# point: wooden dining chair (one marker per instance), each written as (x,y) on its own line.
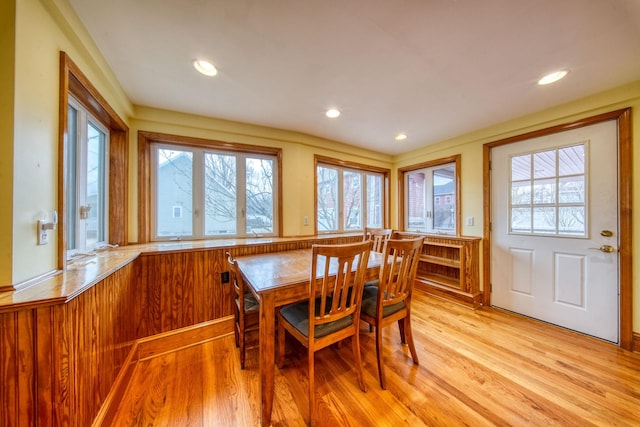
(378,236)
(246,311)
(389,300)
(332,310)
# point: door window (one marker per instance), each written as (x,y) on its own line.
(548,191)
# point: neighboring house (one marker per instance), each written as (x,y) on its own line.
(444,202)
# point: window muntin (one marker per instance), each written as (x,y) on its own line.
(348,199)
(87,180)
(222,193)
(430,195)
(548,192)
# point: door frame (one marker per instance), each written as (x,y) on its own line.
(625,180)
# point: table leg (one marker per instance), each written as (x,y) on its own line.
(267,355)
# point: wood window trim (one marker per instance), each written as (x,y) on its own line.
(146,139)
(73,81)
(386,173)
(457,159)
(625,165)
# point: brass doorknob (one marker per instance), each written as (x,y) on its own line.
(605,248)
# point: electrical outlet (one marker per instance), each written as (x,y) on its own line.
(224,277)
(43,235)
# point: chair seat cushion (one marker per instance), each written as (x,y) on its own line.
(298,315)
(370,300)
(372,283)
(250,302)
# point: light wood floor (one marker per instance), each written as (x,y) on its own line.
(477,368)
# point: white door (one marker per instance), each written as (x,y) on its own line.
(554,222)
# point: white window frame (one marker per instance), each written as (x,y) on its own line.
(77,182)
(364,210)
(198,218)
(427,221)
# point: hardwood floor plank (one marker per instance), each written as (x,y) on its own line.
(485,367)
(539,372)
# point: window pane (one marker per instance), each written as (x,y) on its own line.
(259,193)
(544,191)
(521,193)
(544,164)
(416,208)
(521,220)
(327,199)
(571,160)
(220,194)
(544,220)
(521,167)
(96,187)
(444,188)
(374,201)
(571,220)
(72,184)
(571,189)
(175,188)
(352,200)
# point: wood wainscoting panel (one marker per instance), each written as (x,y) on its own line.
(181,289)
(72,353)
(17,347)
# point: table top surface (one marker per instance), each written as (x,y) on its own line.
(274,270)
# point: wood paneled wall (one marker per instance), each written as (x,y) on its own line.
(58,362)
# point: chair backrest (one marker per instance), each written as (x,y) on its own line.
(378,236)
(399,271)
(337,280)
(236,279)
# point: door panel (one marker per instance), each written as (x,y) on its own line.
(549,250)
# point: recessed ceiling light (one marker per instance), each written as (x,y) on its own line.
(205,67)
(552,77)
(332,113)
(401,137)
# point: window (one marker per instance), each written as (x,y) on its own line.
(87,180)
(431,196)
(548,191)
(76,88)
(202,192)
(349,197)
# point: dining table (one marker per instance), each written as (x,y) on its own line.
(277,279)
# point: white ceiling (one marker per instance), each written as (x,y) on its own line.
(434,69)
